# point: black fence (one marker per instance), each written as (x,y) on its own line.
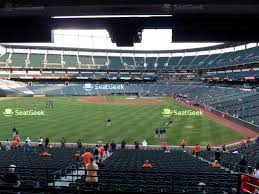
(140,181)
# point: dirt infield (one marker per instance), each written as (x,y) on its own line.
(106,100)
(239,128)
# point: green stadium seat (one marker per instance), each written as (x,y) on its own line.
(3,58)
(161,61)
(18,59)
(115,63)
(85,60)
(36,60)
(140,63)
(173,62)
(51,58)
(100,60)
(70,61)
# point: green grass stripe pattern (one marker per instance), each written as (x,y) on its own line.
(72,119)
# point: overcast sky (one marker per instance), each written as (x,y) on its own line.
(151,40)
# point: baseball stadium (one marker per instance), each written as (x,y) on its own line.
(94,111)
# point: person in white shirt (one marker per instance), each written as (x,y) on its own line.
(92,168)
(28,141)
(7,145)
(144,144)
(40,142)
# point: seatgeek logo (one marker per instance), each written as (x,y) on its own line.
(89,87)
(8,112)
(168,112)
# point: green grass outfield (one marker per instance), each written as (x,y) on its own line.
(74,119)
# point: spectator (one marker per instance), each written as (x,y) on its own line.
(96,153)
(79,144)
(147,165)
(47,142)
(40,142)
(17,138)
(256,171)
(257,140)
(144,144)
(216,164)
(26,146)
(63,142)
(86,157)
(197,150)
(156,133)
(208,148)
(11,178)
(91,177)
(28,141)
(202,187)
(45,153)
(77,155)
(217,155)
(123,143)
(164,145)
(106,146)
(242,164)
(113,146)
(224,148)
(136,145)
(183,143)
(102,152)
(15,144)
(7,145)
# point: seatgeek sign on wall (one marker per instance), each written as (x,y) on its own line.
(89,87)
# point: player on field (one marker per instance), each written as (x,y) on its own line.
(109,120)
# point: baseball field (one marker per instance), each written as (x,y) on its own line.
(86,118)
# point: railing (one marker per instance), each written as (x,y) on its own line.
(249,184)
(116,180)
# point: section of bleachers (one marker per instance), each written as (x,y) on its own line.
(180,61)
(36,60)
(70,61)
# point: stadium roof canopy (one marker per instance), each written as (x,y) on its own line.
(154,41)
(188,20)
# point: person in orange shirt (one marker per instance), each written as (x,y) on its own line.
(86,157)
(164,145)
(45,154)
(17,138)
(215,164)
(101,151)
(147,165)
(197,150)
(15,144)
